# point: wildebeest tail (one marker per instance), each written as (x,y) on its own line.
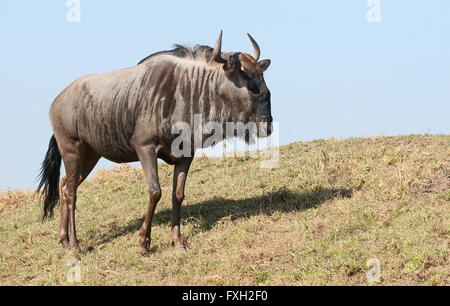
(48,187)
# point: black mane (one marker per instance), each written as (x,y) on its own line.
(184,51)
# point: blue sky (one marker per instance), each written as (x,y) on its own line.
(332,74)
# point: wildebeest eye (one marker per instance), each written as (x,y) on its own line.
(253,87)
(245,75)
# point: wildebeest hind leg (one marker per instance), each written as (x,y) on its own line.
(64,217)
(89,161)
(73,153)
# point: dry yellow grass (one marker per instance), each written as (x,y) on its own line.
(317,219)
(12,199)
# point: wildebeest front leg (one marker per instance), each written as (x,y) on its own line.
(179,180)
(148,159)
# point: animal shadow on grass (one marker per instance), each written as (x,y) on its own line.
(206,214)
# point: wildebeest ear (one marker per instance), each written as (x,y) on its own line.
(233,64)
(264,64)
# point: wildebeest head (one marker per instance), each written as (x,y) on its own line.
(244,82)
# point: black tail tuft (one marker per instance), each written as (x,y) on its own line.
(49,178)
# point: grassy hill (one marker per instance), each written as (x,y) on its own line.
(329,207)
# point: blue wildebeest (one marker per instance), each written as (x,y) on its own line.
(127,115)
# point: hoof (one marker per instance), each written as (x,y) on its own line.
(179,245)
(181,250)
(144,251)
(64,244)
(75,249)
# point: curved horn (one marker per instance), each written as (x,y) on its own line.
(256,49)
(217,52)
